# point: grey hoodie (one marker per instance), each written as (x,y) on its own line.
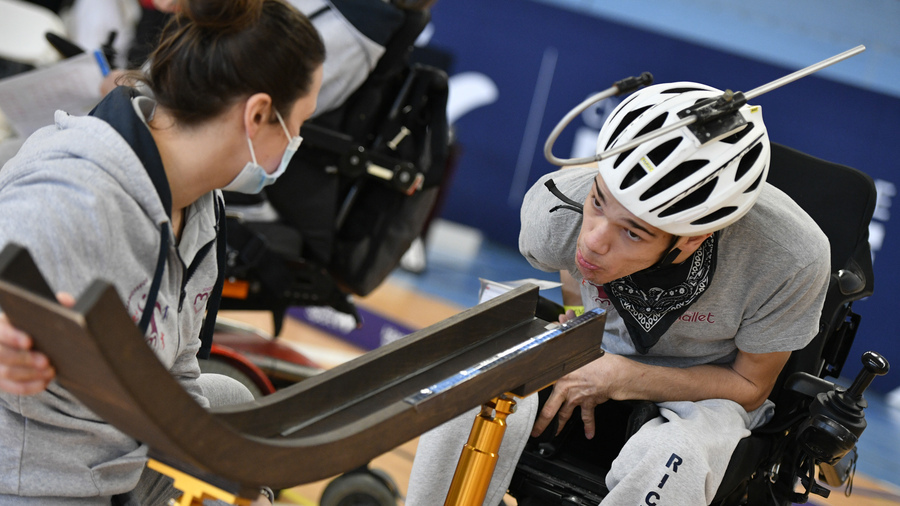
(79,199)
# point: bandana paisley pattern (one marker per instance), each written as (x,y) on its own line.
(649,312)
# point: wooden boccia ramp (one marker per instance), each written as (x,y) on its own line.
(320,427)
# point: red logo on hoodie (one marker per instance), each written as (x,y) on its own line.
(201,299)
(137,301)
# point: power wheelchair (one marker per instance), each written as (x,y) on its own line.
(816,422)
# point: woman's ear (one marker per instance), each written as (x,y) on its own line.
(257,111)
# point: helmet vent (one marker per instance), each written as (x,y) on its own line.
(755,184)
(683,171)
(658,154)
(622,106)
(626,120)
(737,136)
(635,175)
(683,89)
(621,158)
(717,215)
(692,200)
(656,124)
(747,161)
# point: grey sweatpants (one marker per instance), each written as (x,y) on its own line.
(678,458)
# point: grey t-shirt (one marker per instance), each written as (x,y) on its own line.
(766,295)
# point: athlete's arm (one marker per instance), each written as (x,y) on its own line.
(747,381)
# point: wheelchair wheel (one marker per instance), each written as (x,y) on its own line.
(225,361)
(366,487)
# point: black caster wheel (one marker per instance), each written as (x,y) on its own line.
(365,487)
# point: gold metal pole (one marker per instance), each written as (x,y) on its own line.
(479,456)
(194,491)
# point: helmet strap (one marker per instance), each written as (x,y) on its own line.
(569,203)
(667,258)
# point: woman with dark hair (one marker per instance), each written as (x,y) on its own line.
(130,194)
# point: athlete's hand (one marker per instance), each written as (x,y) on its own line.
(568,315)
(24,371)
(586,387)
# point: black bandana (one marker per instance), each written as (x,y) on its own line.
(649,312)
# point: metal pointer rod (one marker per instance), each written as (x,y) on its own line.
(755,92)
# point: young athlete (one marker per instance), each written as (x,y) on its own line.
(711,277)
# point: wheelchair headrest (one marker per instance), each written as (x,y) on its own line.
(841,200)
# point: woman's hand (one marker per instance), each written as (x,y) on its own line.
(24,371)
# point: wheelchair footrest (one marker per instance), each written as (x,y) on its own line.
(543,481)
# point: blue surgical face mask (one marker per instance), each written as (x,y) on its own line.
(253,178)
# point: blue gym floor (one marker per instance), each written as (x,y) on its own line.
(457,257)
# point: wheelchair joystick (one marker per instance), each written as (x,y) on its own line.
(873,365)
(837,417)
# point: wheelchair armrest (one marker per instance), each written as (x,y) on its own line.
(356,161)
(642,412)
(807,384)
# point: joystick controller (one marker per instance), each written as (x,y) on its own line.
(837,417)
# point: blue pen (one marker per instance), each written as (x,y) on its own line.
(101,60)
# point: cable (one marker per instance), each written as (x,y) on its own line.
(729,102)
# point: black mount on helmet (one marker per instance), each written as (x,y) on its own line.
(716,117)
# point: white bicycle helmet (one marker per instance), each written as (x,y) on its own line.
(674,182)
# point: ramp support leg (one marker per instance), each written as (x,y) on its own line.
(479,455)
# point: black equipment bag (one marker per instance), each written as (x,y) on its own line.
(364,181)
